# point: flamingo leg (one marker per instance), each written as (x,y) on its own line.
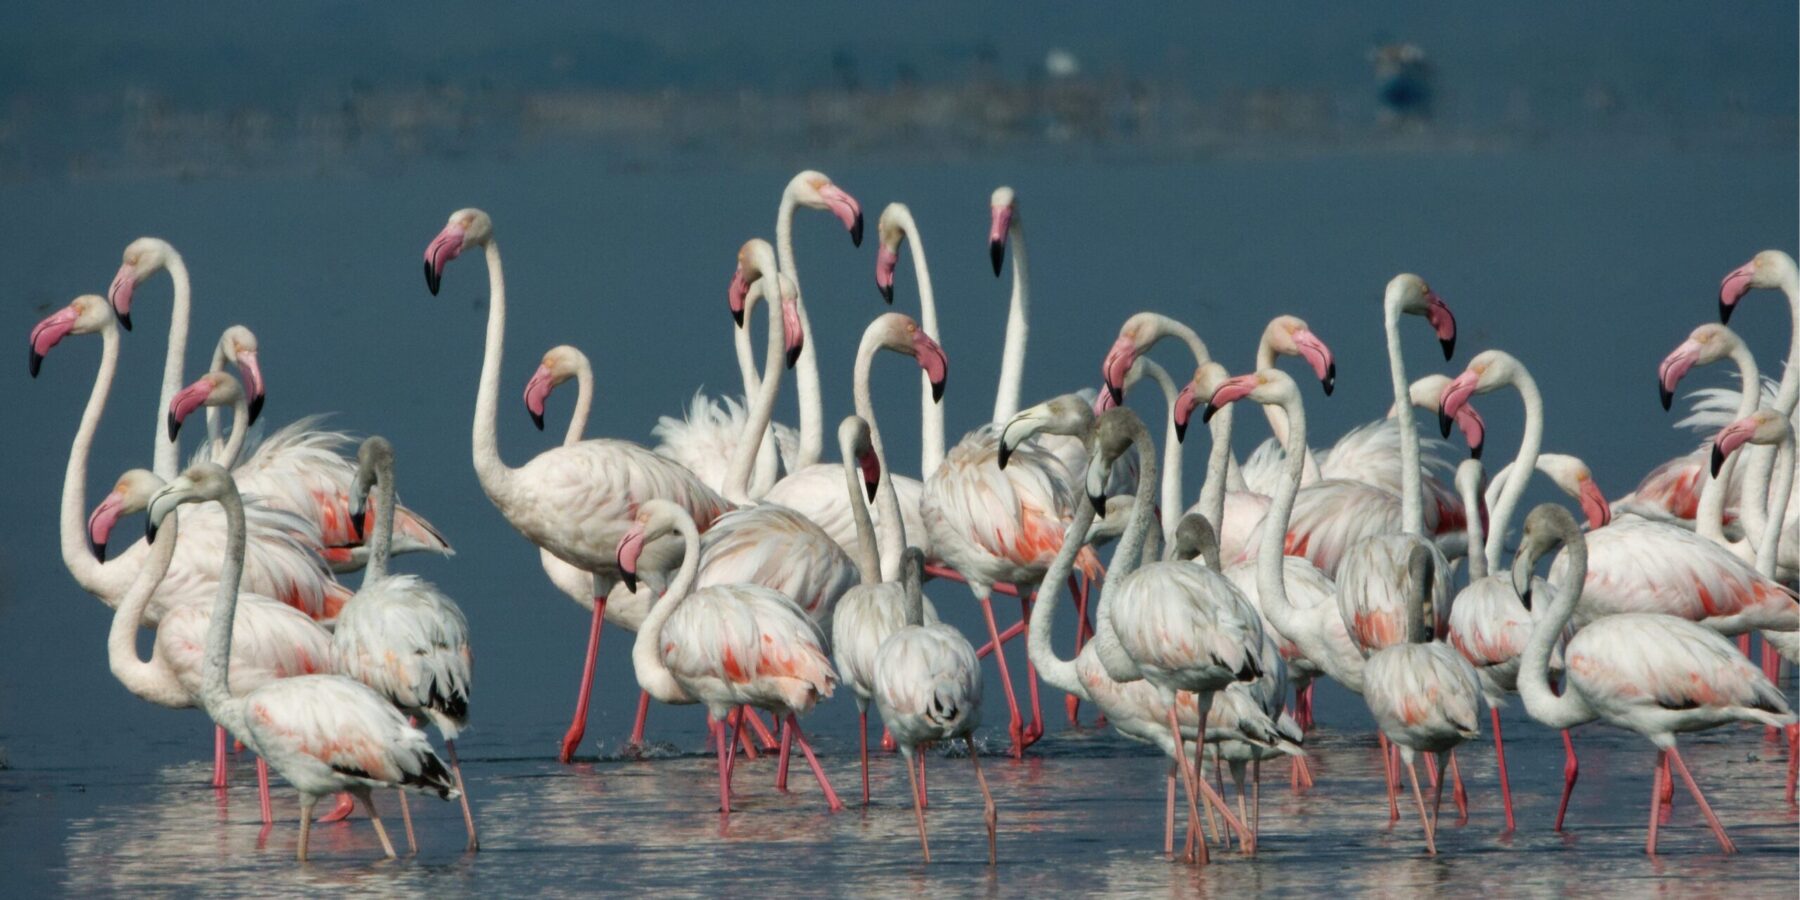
(781,767)
(1419,797)
(1656,776)
(1188,778)
(763,736)
(412,843)
(731,744)
(924,798)
(368,802)
(862,740)
(719,741)
(1016,728)
(1437,802)
(831,797)
(1206,806)
(1169,814)
(1035,729)
(1500,763)
(918,792)
(989,815)
(1237,779)
(218,779)
(1571,771)
(1016,629)
(887,740)
(1219,785)
(1460,795)
(263,802)
(468,816)
(1687,778)
(1256,798)
(346,805)
(307,802)
(1668,789)
(1793,737)
(578,727)
(1387,771)
(933,570)
(743,740)
(636,741)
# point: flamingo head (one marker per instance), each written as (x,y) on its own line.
(1428,392)
(214,389)
(1706,345)
(1116,367)
(1408,293)
(1768,269)
(1113,433)
(1470,478)
(814,190)
(889,235)
(1489,370)
(560,364)
(1765,426)
(466,228)
(1269,387)
(1290,336)
(858,447)
(86,314)
(1068,414)
(201,482)
(1547,526)
(130,495)
(238,344)
(754,260)
(143,258)
(654,519)
(375,456)
(1572,477)
(899,333)
(1003,210)
(1206,380)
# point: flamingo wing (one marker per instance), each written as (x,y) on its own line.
(402,637)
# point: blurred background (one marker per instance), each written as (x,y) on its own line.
(1573,180)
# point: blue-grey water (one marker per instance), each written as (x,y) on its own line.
(1587,248)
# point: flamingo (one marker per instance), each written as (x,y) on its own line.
(323,733)
(1654,674)
(1775,269)
(281,561)
(894,226)
(573,500)
(400,635)
(143,258)
(733,646)
(1569,473)
(272,640)
(927,686)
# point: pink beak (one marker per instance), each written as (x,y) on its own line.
(1594,505)
(1104,401)
(997,234)
(1473,428)
(442,249)
(871,471)
(1442,321)
(186,401)
(100,524)
(1673,367)
(932,359)
(1456,395)
(537,390)
(1117,365)
(1233,390)
(631,546)
(885,261)
(793,336)
(1319,357)
(1729,439)
(250,373)
(1733,288)
(48,333)
(1185,402)
(119,294)
(846,209)
(740,288)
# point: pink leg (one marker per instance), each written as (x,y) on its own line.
(262,791)
(1035,729)
(1387,772)
(781,767)
(887,741)
(862,739)
(743,740)
(1668,789)
(219,760)
(1656,776)
(1458,793)
(637,725)
(949,574)
(1700,799)
(1793,736)
(731,744)
(572,740)
(1743,643)
(1571,771)
(346,805)
(831,797)
(1169,814)
(762,731)
(1307,707)
(720,740)
(1017,629)
(1771,666)
(468,815)
(1500,763)
(1017,726)
(924,798)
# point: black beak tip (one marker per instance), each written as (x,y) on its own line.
(1207,414)
(1181,432)
(37,362)
(1005,454)
(1118,393)
(1667,396)
(856,231)
(997,254)
(1475,451)
(1099,504)
(937,391)
(793,355)
(433,278)
(737,317)
(174,426)
(256,405)
(1449,345)
(358,524)
(870,486)
(1330,381)
(537,419)
(150,532)
(630,579)
(1725,312)
(123,317)
(1525,598)
(1444,422)
(1718,460)
(98,548)
(887,292)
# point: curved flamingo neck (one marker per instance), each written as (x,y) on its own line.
(492,472)
(72,522)
(1749,397)
(1018,326)
(214,420)
(228,455)
(387,503)
(1523,465)
(1163,326)
(215,690)
(584,402)
(1412,510)
(653,673)
(1265,359)
(1171,458)
(150,680)
(167,450)
(768,458)
(806,369)
(1779,494)
(1118,664)
(762,409)
(1057,672)
(931,413)
(1787,396)
(1544,705)
(867,555)
(1218,462)
(1471,499)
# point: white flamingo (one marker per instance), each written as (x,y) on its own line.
(400,635)
(1653,674)
(323,733)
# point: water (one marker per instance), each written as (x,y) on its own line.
(1588,258)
